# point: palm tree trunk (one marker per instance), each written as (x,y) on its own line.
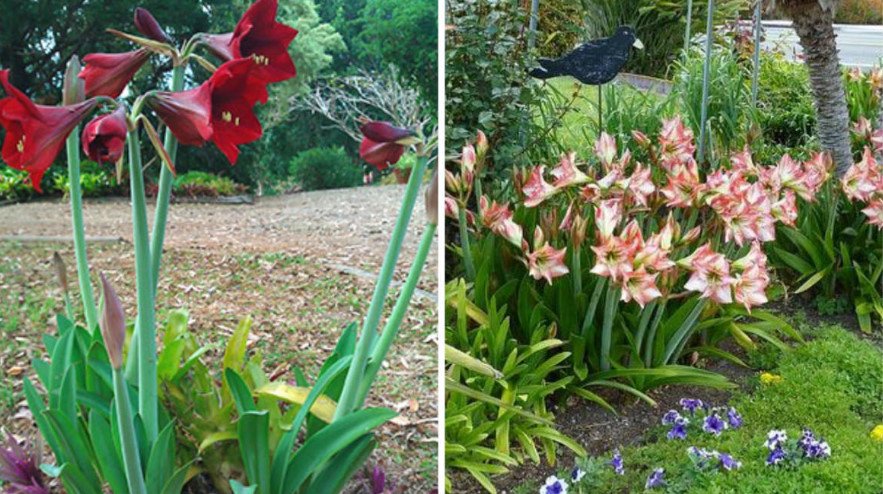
(814,26)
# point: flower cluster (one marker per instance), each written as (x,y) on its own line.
(806,448)
(646,215)
(715,420)
(864,182)
(705,459)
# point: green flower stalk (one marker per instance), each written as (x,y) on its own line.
(391,328)
(74,92)
(113,330)
(146,349)
(352,385)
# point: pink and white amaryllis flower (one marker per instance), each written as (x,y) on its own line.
(640,286)
(498,218)
(605,149)
(710,275)
(676,145)
(743,162)
(877,141)
(546,262)
(864,179)
(862,128)
(608,214)
(452,210)
(749,289)
(874,212)
(785,209)
(536,189)
(566,173)
(639,185)
(684,187)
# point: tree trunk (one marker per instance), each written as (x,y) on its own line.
(814,26)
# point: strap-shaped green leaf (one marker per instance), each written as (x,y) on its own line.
(342,467)
(330,441)
(161,464)
(109,460)
(239,390)
(73,445)
(283,450)
(254,429)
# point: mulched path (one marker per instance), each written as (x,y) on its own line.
(272,260)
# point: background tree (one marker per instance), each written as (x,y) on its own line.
(814,25)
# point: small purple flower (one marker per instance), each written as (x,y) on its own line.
(713,424)
(813,448)
(656,479)
(776,455)
(728,462)
(734,418)
(20,470)
(691,404)
(775,438)
(679,429)
(616,463)
(554,485)
(670,417)
(700,456)
(806,439)
(378,481)
(577,474)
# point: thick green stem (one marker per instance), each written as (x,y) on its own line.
(610,305)
(128,440)
(391,329)
(73,171)
(159,222)
(369,329)
(464,244)
(147,401)
(165,190)
(577,271)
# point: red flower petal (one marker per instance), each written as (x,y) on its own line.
(384,132)
(104,137)
(234,93)
(107,74)
(186,113)
(381,154)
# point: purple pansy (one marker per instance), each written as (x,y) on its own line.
(691,404)
(713,424)
(776,455)
(577,474)
(728,462)
(734,419)
(554,485)
(670,417)
(656,479)
(812,447)
(679,429)
(616,463)
(775,438)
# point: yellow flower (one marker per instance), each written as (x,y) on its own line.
(877,433)
(767,378)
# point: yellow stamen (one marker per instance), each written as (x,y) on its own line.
(262,60)
(236,122)
(21,145)
(227,116)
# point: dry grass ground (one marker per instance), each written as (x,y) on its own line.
(278,261)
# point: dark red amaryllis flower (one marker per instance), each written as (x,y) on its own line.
(383,144)
(235,90)
(35,133)
(186,113)
(105,136)
(106,74)
(220,110)
(259,36)
(147,25)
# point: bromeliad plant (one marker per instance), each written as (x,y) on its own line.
(101,414)
(674,265)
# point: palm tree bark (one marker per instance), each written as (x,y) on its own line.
(814,25)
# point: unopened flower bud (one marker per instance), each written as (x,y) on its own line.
(60,271)
(468,159)
(73,88)
(481,146)
(640,138)
(113,324)
(578,229)
(691,235)
(147,25)
(431,199)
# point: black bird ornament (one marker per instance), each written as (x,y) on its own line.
(595,63)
